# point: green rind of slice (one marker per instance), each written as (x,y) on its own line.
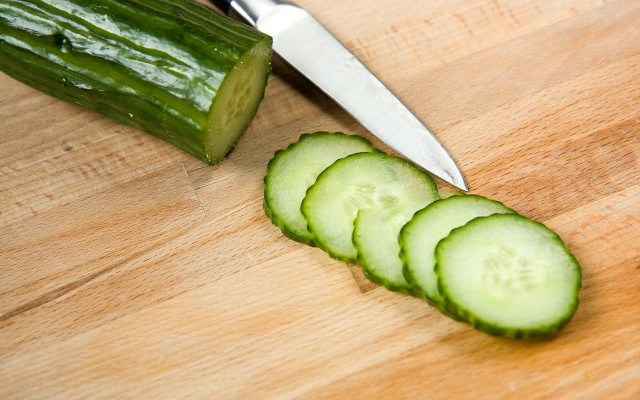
(508,276)
(278,223)
(292,170)
(419,237)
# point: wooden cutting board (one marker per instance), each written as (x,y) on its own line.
(129,269)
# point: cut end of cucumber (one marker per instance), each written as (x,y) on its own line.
(237,101)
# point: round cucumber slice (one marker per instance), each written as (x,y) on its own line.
(419,237)
(291,171)
(357,182)
(375,236)
(508,276)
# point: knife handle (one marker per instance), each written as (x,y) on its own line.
(223,5)
(247,10)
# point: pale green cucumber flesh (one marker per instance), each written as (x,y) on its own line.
(447,192)
(375,236)
(293,170)
(360,181)
(508,276)
(419,237)
(237,101)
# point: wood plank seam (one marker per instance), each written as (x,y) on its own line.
(195,192)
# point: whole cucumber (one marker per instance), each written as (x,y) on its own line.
(174,68)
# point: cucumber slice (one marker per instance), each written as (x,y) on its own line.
(508,276)
(291,171)
(419,237)
(361,181)
(375,236)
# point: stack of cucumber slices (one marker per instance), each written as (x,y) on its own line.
(472,258)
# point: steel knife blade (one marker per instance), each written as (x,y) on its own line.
(311,49)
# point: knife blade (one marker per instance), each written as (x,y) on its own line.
(311,49)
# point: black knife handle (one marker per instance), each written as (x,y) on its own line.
(222,5)
(248,11)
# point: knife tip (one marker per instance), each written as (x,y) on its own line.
(456,180)
(451,175)
(461,185)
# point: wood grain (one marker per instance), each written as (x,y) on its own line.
(130,270)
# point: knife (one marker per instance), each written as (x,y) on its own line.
(312,50)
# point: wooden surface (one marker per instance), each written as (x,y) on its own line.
(130,270)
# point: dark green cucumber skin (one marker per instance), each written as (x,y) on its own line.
(411,291)
(545,332)
(276,222)
(153,64)
(416,291)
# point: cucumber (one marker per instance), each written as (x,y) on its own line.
(291,171)
(357,182)
(448,192)
(508,276)
(174,68)
(375,237)
(419,237)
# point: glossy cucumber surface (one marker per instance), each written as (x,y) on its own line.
(176,69)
